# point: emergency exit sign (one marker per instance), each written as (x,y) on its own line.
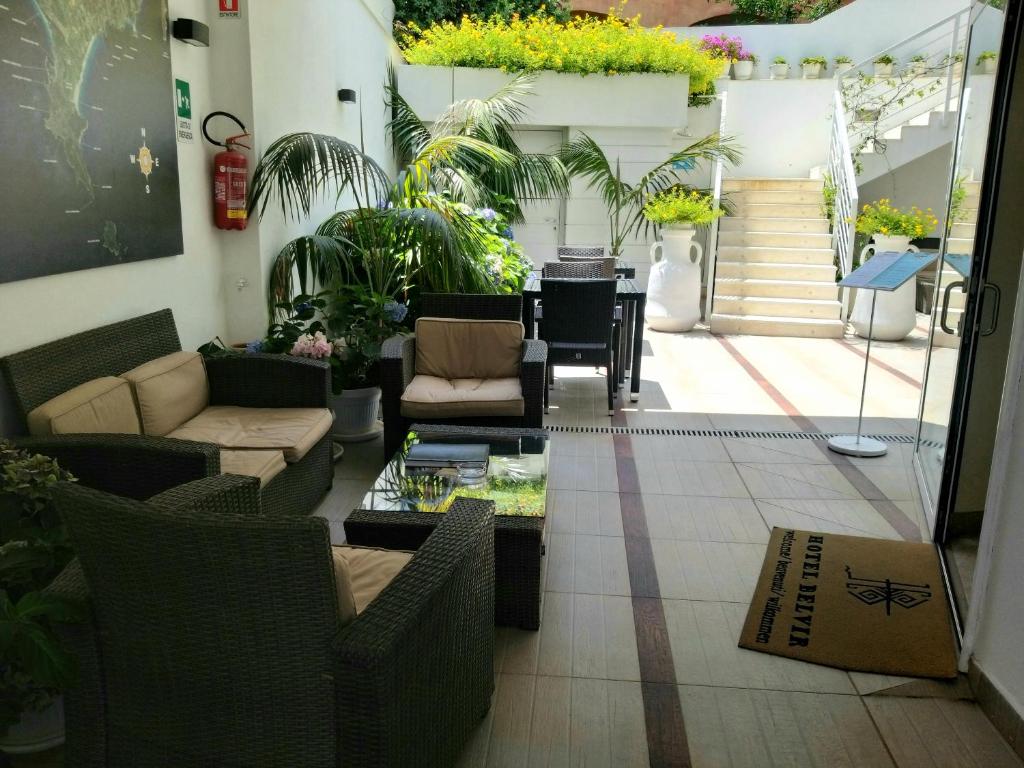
(229,9)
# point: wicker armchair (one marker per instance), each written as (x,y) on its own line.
(139,466)
(398,366)
(215,637)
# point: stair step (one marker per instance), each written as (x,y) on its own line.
(760,253)
(761,325)
(776,239)
(748,210)
(782,289)
(960,231)
(736,185)
(962,245)
(790,196)
(768,306)
(968,215)
(739,224)
(824,273)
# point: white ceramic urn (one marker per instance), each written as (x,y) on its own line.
(895,316)
(673,290)
(742,69)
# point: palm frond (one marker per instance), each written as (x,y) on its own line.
(300,168)
(709,149)
(315,261)
(406,130)
(584,157)
(464,152)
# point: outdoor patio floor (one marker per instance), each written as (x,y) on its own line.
(655,542)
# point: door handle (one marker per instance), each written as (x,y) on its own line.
(945,306)
(997,296)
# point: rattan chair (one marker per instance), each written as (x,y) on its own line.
(574,270)
(580,251)
(472,306)
(579,327)
(139,466)
(214,637)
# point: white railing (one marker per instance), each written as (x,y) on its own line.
(843,180)
(712,242)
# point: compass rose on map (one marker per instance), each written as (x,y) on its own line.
(145,160)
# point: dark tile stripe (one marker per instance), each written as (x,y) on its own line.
(891,513)
(667,745)
(878,363)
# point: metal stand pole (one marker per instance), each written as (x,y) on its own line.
(859,445)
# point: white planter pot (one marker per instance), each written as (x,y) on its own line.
(355,414)
(673,289)
(895,316)
(883,70)
(988,66)
(779,71)
(742,70)
(917,68)
(36,731)
(842,69)
(811,71)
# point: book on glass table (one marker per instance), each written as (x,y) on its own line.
(442,455)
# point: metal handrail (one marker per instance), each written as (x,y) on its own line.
(712,244)
(844,180)
(913,37)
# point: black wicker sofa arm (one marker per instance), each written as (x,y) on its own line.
(135,466)
(269,381)
(416,667)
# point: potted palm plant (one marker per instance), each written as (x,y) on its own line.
(779,68)
(673,291)
(812,66)
(34,664)
(884,65)
(890,229)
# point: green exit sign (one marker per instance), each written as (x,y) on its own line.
(182,99)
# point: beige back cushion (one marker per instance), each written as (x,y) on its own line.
(343,581)
(101,405)
(169,391)
(468,349)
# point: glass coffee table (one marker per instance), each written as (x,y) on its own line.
(403,506)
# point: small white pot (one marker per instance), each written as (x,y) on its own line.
(883,70)
(779,71)
(673,289)
(355,415)
(895,316)
(36,731)
(842,69)
(811,71)
(917,68)
(742,70)
(988,66)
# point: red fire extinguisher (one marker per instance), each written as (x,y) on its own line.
(230,177)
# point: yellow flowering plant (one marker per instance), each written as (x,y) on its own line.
(883,218)
(585,45)
(682,206)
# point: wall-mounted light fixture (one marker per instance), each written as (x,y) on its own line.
(347,96)
(192,32)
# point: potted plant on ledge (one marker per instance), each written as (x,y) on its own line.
(843,64)
(779,69)
(673,291)
(812,66)
(884,65)
(987,62)
(34,664)
(890,230)
(918,65)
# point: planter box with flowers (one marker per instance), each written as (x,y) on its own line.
(730,49)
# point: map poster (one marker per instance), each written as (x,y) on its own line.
(87,136)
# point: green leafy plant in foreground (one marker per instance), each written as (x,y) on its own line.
(681,206)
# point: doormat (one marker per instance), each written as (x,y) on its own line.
(851,602)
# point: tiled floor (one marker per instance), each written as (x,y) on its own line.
(654,544)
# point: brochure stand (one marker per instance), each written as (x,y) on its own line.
(884,271)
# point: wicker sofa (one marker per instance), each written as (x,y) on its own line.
(399,367)
(141,465)
(217,636)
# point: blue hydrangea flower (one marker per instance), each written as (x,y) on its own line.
(507,233)
(299,308)
(487,213)
(396,311)
(254,347)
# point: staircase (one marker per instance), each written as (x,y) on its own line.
(961,240)
(775,274)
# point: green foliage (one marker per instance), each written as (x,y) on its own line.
(779,60)
(843,60)
(34,665)
(820,60)
(681,206)
(828,207)
(585,45)
(883,218)
(885,58)
(584,158)
(987,56)
(423,13)
(782,11)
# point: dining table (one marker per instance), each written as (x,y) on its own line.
(633,297)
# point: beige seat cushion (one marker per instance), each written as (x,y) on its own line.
(101,405)
(265,465)
(291,430)
(169,390)
(468,349)
(362,573)
(430,397)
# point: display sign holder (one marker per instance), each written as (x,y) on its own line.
(885,271)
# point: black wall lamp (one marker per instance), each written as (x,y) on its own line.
(347,96)
(192,32)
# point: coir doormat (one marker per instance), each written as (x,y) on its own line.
(854,603)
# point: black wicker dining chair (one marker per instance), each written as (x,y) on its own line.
(579,327)
(574,270)
(580,251)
